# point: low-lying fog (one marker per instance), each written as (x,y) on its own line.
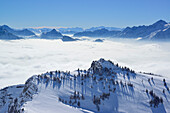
(21,59)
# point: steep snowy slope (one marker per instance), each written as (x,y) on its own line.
(105,87)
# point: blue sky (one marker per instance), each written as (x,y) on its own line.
(82,13)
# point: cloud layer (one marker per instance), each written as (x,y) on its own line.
(21,59)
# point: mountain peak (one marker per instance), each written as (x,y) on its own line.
(51,34)
(160,22)
(5,27)
(53,30)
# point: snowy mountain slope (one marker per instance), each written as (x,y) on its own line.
(142,31)
(160,34)
(5,35)
(105,87)
(7,95)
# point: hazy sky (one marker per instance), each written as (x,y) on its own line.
(82,13)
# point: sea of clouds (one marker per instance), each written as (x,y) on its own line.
(20,59)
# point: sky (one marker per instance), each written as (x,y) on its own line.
(82,13)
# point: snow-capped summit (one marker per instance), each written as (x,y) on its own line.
(105,87)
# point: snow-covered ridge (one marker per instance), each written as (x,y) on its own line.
(13,97)
(104,87)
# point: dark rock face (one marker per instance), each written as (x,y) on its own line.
(98,40)
(67,38)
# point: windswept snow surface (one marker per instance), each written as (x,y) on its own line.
(47,102)
(20,59)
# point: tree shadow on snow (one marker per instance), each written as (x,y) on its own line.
(153,82)
(166,97)
(160,109)
(150,83)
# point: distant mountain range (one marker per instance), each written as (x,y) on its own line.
(72,30)
(98,33)
(53,34)
(103,27)
(61,30)
(40,30)
(159,30)
(7,33)
(143,31)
